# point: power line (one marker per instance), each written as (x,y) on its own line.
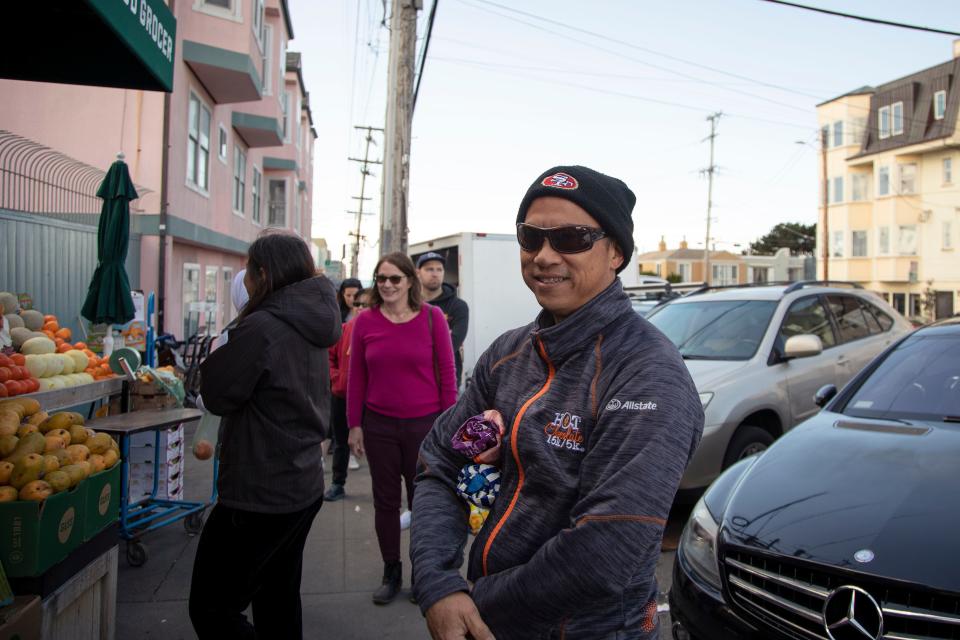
(643,98)
(651,51)
(906,118)
(423,56)
(888,23)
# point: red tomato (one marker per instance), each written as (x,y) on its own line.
(5,374)
(25,373)
(19,359)
(3,391)
(5,361)
(13,387)
(34,385)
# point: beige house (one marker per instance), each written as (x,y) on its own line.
(892,175)
(725,267)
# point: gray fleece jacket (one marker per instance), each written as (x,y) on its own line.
(602,418)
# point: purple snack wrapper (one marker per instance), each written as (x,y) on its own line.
(475,436)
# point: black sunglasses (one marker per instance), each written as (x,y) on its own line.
(572,238)
(393,279)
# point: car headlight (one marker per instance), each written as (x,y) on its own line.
(705,399)
(699,544)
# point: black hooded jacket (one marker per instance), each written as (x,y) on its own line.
(458,317)
(271,384)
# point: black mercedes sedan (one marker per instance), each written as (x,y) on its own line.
(848,527)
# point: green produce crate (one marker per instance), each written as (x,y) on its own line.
(35,536)
(102,491)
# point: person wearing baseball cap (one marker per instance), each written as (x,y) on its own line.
(430,270)
(599,418)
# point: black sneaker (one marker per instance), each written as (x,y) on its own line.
(334,493)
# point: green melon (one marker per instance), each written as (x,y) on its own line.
(13,320)
(9,302)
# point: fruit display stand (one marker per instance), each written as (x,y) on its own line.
(56,399)
(152,512)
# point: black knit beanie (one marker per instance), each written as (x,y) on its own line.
(607,199)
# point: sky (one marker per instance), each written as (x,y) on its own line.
(510,88)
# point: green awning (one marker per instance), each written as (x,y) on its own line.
(109,43)
(279,164)
(257,131)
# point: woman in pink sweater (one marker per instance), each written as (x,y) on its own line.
(401,378)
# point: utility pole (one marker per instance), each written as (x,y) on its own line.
(396,174)
(826,216)
(710,170)
(364,172)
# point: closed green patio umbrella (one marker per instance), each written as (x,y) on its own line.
(108,298)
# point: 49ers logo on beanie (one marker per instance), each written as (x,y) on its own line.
(560,181)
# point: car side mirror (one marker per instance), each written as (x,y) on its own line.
(802,346)
(824,395)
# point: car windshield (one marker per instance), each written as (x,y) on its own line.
(715,330)
(919,380)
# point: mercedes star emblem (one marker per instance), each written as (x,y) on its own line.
(850,613)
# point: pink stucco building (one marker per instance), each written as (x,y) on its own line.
(225,155)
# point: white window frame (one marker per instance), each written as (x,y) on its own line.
(267,88)
(912,187)
(238,195)
(296,209)
(883,173)
(286,203)
(256,196)
(192,181)
(258,20)
(883,240)
(837,191)
(896,118)
(939,104)
(859,187)
(883,123)
(838,133)
(233,14)
(184,302)
(223,143)
(904,248)
(946,236)
(864,244)
(836,244)
(286,107)
(282,73)
(685,271)
(947,168)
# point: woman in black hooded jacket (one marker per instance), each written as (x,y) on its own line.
(270,383)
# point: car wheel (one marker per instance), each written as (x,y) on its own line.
(747,441)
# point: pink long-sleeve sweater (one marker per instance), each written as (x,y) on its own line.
(391,366)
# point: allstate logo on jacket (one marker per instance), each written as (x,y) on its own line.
(564,432)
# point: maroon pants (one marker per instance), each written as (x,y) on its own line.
(392,446)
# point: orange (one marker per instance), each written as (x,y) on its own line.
(79,346)
(64,333)
(63,347)
(53,326)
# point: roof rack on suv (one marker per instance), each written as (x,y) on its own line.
(748,285)
(796,286)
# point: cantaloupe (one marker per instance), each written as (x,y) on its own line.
(13,321)
(32,319)
(19,335)
(38,346)
(37,365)
(79,358)
(9,302)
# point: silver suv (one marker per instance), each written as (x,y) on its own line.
(758,354)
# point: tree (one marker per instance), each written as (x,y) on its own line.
(799,238)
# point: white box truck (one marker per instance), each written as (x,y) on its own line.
(485,269)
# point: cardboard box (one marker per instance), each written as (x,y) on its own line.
(34,536)
(21,620)
(102,500)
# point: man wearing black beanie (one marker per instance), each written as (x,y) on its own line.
(599,418)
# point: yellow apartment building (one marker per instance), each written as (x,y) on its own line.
(892,154)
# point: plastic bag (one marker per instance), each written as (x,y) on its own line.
(205,438)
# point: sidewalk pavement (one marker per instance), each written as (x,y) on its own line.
(341,568)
